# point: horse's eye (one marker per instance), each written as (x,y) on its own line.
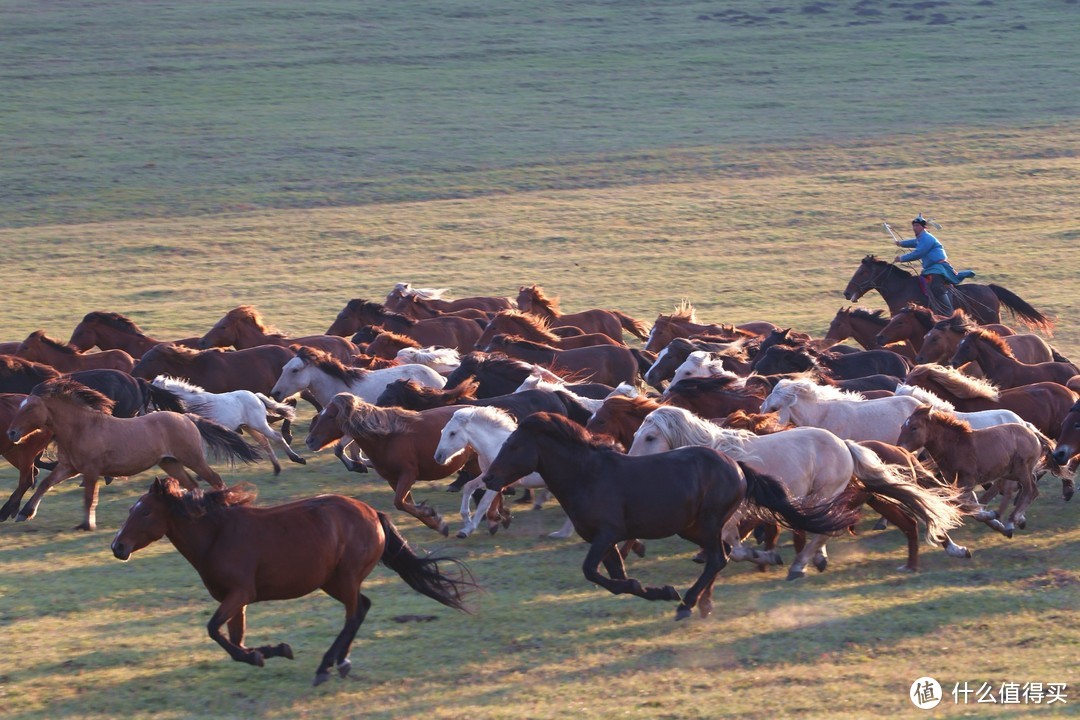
(453,433)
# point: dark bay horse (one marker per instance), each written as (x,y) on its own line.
(216,370)
(443,331)
(113,331)
(243,328)
(410,395)
(19,375)
(610,497)
(22,454)
(404,293)
(536,329)
(779,359)
(39,347)
(1001,367)
(531,299)
(494,373)
(715,397)
(899,287)
(245,554)
(1068,439)
(93,442)
(607,364)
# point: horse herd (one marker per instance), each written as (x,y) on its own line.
(715,433)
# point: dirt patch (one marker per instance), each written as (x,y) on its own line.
(1053,578)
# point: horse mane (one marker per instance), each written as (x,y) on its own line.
(249,313)
(192,504)
(422,356)
(177,385)
(539,298)
(757,423)
(393,338)
(492,414)
(802,356)
(956,382)
(407,290)
(520,342)
(566,431)
(499,363)
(58,345)
(993,339)
(328,364)
(921,314)
(14,365)
(114,320)
(681,427)
(181,354)
(958,322)
(415,392)
(371,421)
(925,396)
(887,266)
(821,393)
(537,324)
(946,419)
(64,388)
(684,311)
(875,316)
(697,386)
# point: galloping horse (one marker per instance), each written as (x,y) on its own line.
(537,329)
(442,360)
(495,373)
(779,359)
(607,364)
(22,454)
(93,442)
(400,445)
(1001,367)
(943,338)
(386,345)
(19,375)
(404,293)
(845,414)
(443,331)
(216,370)
(1068,440)
(39,347)
(409,395)
(619,417)
(243,328)
(325,377)
(531,299)
(113,331)
(714,397)
(865,327)
(678,350)
(245,554)
(899,287)
(610,497)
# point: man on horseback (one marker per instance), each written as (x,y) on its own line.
(937,274)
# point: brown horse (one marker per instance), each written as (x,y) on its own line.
(93,442)
(899,287)
(243,328)
(22,454)
(1068,439)
(607,364)
(943,339)
(619,417)
(217,371)
(1001,367)
(113,331)
(432,298)
(733,354)
(531,299)
(418,308)
(536,329)
(39,347)
(865,327)
(19,375)
(399,444)
(245,554)
(683,323)
(443,331)
(715,397)
(387,344)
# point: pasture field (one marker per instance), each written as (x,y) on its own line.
(173,161)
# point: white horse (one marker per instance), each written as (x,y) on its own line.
(484,429)
(846,414)
(235,410)
(814,464)
(442,360)
(701,363)
(977,420)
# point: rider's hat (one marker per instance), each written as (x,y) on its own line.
(921,220)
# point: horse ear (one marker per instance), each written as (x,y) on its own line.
(158,486)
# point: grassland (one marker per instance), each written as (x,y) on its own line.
(171,162)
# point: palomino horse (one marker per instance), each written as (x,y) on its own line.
(691,492)
(683,323)
(236,410)
(39,347)
(943,338)
(1000,454)
(679,349)
(811,462)
(243,328)
(899,287)
(536,329)
(93,442)
(245,554)
(864,327)
(21,454)
(607,364)
(531,299)
(400,445)
(846,415)
(113,331)
(443,331)
(405,293)
(1001,367)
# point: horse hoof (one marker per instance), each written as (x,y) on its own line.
(700,557)
(320,678)
(671,593)
(299,460)
(493,528)
(444,529)
(779,560)
(1008,532)
(277,471)
(344,667)
(639,548)
(881,524)
(21,518)
(286,651)
(907,569)
(86,527)
(967,554)
(453,488)
(682,613)
(256,658)
(359,468)
(461,535)
(1022,524)
(796,574)
(821,564)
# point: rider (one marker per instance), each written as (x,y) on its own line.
(937,273)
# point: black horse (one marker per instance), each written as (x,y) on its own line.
(840,366)
(498,374)
(691,492)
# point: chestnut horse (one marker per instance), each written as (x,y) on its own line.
(1001,367)
(865,327)
(683,323)
(619,417)
(22,454)
(386,345)
(943,339)
(93,442)
(245,554)
(113,331)
(433,298)
(607,364)
(1068,440)
(536,329)
(399,444)
(39,347)
(899,287)
(243,328)
(531,299)
(443,331)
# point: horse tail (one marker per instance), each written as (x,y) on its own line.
(276,409)
(635,327)
(1022,310)
(767,492)
(1058,357)
(223,443)
(1048,446)
(422,573)
(160,398)
(935,506)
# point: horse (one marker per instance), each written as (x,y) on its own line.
(22,454)
(678,350)
(113,331)
(443,331)
(867,328)
(386,345)
(243,328)
(607,364)
(683,323)
(19,375)
(941,340)
(246,554)
(714,397)
(1001,367)
(810,462)
(847,415)
(997,455)
(325,377)
(495,373)
(531,299)
(418,308)
(779,359)
(442,360)
(619,417)
(537,329)
(93,442)
(399,444)
(609,497)
(236,410)
(977,420)
(1068,439)
(410,395)
(433,297)
(39,347)
(899,287)
(216,370)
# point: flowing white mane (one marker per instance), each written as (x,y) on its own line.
(177,385)
(925,396)
(441,359)
(408,290)
(802,388)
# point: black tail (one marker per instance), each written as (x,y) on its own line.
(1022,310)
(160,398)
(422,573)
(223,443)
(768,492)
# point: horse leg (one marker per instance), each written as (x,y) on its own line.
(176,469)
(272,434)
(567,530)
(26,481)
(265,443)
(90,501)
(1028,492)
(598,551)
(352,465)
(810,550)
(356,609)
(715,561)
(421,511)
(954,550)
(472,520)
(905,524)
(988,517)
(57,475)
(234,603)
(236,625)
